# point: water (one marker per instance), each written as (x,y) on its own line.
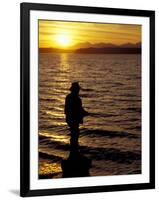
(111,91)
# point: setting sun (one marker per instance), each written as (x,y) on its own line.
(63,40)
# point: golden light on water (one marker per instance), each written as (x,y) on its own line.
(49,169)
(57,138)
(57,115)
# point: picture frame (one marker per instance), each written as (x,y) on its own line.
(30,14)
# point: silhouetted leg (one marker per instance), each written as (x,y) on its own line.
(74,138)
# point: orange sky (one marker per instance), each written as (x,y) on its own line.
(58,34)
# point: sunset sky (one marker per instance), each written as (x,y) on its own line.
(57,34)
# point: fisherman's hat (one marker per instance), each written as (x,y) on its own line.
(75,86)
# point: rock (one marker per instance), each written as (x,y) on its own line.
(76,165)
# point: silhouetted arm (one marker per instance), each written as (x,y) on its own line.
(83,111)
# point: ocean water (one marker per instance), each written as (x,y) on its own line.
(111,91)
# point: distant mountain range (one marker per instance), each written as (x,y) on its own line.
(107,48)
(105,45)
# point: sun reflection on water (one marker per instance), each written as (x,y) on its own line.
(49,169)
(58,138)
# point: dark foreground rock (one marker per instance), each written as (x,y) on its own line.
(76,165)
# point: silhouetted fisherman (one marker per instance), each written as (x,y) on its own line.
(74,115)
